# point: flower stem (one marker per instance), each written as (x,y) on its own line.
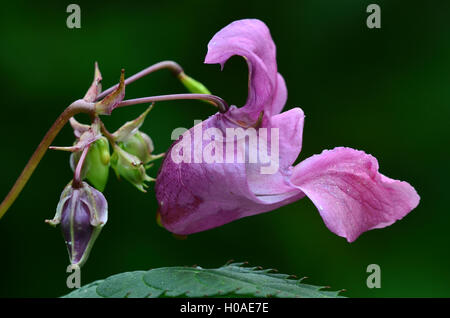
(170,65)
(217,101)
(79,106)
(77,179)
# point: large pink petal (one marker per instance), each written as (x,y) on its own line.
(289,126)
(251,39)
(280,96)
(351,195)
(194,197)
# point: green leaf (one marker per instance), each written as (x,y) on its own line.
(231,280)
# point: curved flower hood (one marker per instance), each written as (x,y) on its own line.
(344,184)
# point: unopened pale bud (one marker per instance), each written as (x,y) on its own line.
(130,167)
(139,145)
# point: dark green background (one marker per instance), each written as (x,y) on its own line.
(383,91)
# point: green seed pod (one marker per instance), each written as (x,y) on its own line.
(96,165)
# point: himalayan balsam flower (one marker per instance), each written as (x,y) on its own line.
(343,183)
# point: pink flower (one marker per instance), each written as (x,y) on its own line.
(344,184)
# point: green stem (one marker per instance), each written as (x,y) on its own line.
(79,106)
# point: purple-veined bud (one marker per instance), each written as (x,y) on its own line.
(82,212)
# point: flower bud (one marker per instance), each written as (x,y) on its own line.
(134,141)
(96,165)
(82,213)
(139,145)
(130,167)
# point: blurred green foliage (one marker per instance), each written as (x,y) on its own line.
(384,91)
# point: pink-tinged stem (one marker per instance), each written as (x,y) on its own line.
(79,106)
(217,101)
(77,180)
(170,65)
